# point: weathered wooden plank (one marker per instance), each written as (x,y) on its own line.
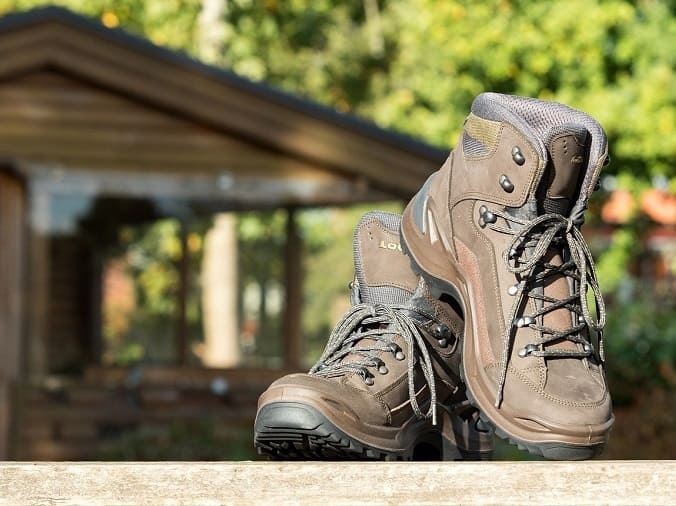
(185,377)
(293,293)
(504,483)
(5,418)
(241,169)
(55,114)
(12,223)
(77,94)
(141,148)
(61,129)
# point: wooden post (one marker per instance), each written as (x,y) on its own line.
(219,294)
(293,291)
(182,299)
(12,253)
(38,282)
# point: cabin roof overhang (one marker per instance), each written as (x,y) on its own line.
(57,39)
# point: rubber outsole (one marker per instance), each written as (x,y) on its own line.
(548,450)
(295,431)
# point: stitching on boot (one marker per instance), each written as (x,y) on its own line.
(470,266)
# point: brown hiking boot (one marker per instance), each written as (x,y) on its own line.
(387,385)
(498,228)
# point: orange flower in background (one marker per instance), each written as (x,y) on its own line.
(619,208)
(660,206)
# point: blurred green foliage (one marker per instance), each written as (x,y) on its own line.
(169,23)
(641,346)
(261,240)
(150,255)
(181,440)
(613,59)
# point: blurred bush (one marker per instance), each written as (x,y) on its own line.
(640,346)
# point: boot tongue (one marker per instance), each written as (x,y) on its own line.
(568,148)
(383,272)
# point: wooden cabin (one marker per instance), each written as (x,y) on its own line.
(101,130)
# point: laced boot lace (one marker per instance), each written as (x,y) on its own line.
(369,330)
(537,237)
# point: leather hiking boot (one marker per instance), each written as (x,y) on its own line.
(498,228)
(387,386)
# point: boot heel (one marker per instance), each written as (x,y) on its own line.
(462,438)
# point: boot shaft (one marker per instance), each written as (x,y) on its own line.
(527,149)
(498,228)
(519,159)
(523,153)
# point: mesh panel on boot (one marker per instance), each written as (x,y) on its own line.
(377,294)
(472,146)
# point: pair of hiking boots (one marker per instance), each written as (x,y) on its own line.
(471,313)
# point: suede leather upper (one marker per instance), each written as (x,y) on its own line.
(501,168)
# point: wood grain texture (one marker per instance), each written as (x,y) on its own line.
(12,222)
(504,483)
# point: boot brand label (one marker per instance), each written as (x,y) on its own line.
(390,245)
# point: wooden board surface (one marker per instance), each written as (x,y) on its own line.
(523,483)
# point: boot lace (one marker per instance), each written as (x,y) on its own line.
(524,256)
(368,330)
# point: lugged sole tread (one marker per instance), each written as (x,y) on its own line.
(278,439)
